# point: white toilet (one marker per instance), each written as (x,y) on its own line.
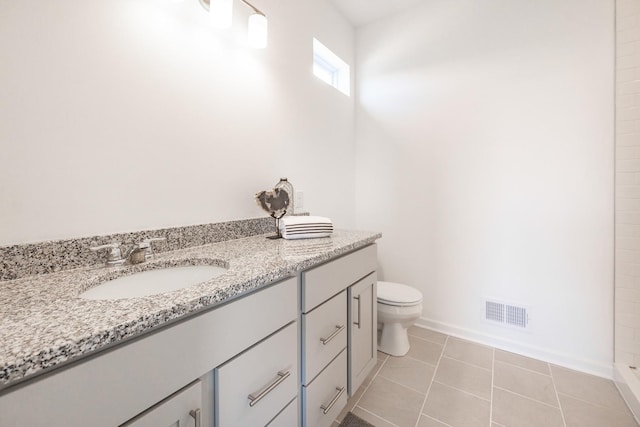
(399,306)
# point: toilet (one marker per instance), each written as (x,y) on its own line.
(399,306)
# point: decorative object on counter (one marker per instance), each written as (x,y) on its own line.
(305,227)
(285,184)
(276,202)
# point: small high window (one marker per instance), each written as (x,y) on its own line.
(330,68)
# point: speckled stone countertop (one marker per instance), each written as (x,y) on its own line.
(44,322)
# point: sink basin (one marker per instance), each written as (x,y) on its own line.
(153,282)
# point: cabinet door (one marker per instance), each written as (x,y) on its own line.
(178,410)
(363,338)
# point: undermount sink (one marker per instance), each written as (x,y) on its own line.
(153,282)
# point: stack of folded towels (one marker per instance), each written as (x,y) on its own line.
(305,227)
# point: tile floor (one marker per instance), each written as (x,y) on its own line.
(448,382)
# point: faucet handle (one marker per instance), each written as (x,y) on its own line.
(146,245)
(115,254)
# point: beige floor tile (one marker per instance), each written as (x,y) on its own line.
(382,356)
(590,388)
(455,407)
(578,413)
(335,424)
(523,362)
(408,372)
(427,334)
(425,351)
(392,402)
(370,418)
(429,422)
(465,377)
(527,383)
(469,352)
(510,409)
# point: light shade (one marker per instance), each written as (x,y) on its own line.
(257,32)
(221,13)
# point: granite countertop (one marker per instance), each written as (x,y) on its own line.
(45,323)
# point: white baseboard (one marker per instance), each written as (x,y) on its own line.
(604,370)
(629,386)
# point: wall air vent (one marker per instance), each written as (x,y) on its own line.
(506,314)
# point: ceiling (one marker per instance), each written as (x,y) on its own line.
(362,12)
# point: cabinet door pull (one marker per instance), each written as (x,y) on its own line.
(326,340)
(196,416)
(256,397)
(358,322)
(327,408)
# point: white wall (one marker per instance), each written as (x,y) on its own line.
(133,114)
(627,323)
(485,157)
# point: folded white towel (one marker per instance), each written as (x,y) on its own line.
(305,227)
(304,219)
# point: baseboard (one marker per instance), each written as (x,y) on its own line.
(629,387)
(588,366)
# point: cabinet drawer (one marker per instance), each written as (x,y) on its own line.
(288,417)
(325,335)
(267,373)
(326,396)
(182,408)
(322,282)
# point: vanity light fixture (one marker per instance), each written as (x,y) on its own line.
(221,15)
(257,31)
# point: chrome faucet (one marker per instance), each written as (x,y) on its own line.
(115,254)
(139,253)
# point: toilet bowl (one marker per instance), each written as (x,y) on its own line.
(399,306)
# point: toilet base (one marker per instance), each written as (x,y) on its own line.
(394,339)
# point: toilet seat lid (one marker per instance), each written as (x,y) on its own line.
(398,294)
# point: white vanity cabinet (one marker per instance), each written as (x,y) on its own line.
(115,386)
(286,355)
(339,340)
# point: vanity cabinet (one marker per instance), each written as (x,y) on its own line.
(339,339)
(286,355)
(116,385)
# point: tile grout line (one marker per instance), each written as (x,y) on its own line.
(427,339)
(436,420)
(597,405)
(493,373)
(529,398)
(473,365)
(426,396)
(377,416)
(553,381)
(463,391)
(524,369)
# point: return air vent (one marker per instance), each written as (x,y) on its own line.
(506,314)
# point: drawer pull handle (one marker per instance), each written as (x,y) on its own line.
(196,416)
(358,322)
(255,398)
(326,340)
(327,408)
